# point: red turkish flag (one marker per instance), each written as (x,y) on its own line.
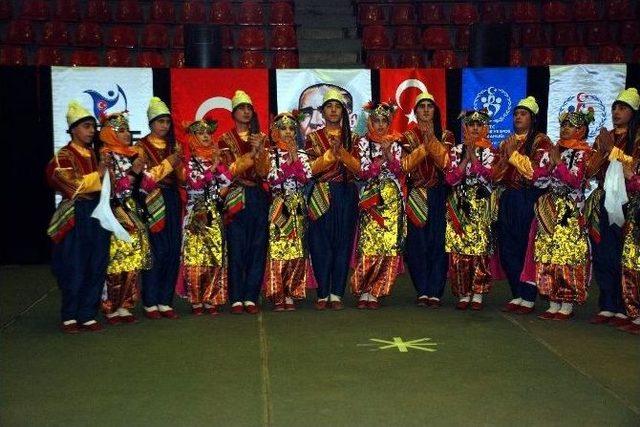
(401,86)
(207,93)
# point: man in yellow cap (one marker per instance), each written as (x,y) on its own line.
(333,202)
(519,152)
(159,152)
(606,238)
(81,245)
(246,205)
(426,207)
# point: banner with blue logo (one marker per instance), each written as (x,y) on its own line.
(498,90)
(101,91)
(583,88)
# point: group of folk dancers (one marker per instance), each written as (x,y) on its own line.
(222,221)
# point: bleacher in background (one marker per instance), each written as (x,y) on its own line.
(148,33)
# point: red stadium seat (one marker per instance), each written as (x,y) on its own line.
(251,13)
(432,14)
(410,60)
(283,37)
(177,59)
(6,10)
(178,37)
(376,60)
(85,58)
(252,59)
(525,11)
(556,11)
(534,35)
(88,34)
(55,34)
(375,37)
(221,13)
(577,55)
(464,14)
(151,59)
(403,14)
(492,12)
(37,10)
(67,11)
(122,36)
(541,56)
(630,33)
(118,58)
(463,35)
(281,13)
(515,58)
(155,36)
(193,12)
(129,11)
(371,14)
(98,11)
(251,38)
(619,10)
(46,56)
(20,32)
(611,54)
(407,37)
(285,59)
(436,38)
(444,59)
(566,35)
(13,55)
(585,10)
(598,34)
(162,12)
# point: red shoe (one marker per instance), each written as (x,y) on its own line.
(94,327)
(562,316)
(290,307)
(337,305)
(320,305)
(422,301)
(114,320)
(524,310)
(362,304)
(462,305)
(130,318)
(251,309)
(434,303)
(71,328)
(547,315)
(169,314)
(197,311)
(237,309)
(279,307)
(214,311)
(631,328)
(599,319)
(617,322)
(510,308)
(155,314)
(373,305)
(476,306)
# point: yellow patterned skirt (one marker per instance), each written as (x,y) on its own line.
(384,239)
(287,227)
(203,242)
(134,255)
(631,244)
(468,229)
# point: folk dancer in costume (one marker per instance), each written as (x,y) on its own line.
(286,275)
(424,253)
(131,184)
(518,153)
(204,248)
(607,237)
(382,227)
(246,206)
(158,283)
(470,211)
(333,201)
(560,241)
(80,244)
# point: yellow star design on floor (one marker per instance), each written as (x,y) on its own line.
(404,346)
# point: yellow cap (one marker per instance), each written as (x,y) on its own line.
(240,97)
(421,97)
(156,109)
(76,112)
(332,95)
(630,97)
(530,104)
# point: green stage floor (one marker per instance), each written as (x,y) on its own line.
(313,368)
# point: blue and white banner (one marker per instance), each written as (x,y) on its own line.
(580,87)
(498,90)
(303,90)
(100,90)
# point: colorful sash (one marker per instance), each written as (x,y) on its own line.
(62,221)
(157,210)
(233,203)
(545,210)
(369,201)
(319,201)
(278,216)
(592,214)
(454,213)
(417,206)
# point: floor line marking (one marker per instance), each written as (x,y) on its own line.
(15,318)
